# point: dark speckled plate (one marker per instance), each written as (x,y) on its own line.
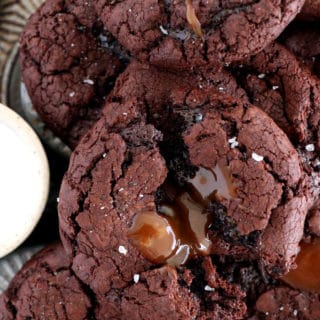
(13,17)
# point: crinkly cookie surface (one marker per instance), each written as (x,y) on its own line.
(46,288)
(129,174)
(66,67)
(182,34)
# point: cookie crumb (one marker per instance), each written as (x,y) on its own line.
(136,278)
(310,147)
(122,250)
(163,30)
(88,81)
(208,288)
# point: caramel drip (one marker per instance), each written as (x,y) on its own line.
(180,231)
(306,276)
(193,19)
(153,236)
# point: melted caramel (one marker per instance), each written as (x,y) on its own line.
(193,19)
(214,184)
(153,236)
(181,231)
(306,276)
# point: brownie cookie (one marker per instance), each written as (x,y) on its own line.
(276,82)
(183,34)
(66,68)
(109,190)
(310,10)
(46,288)
(214,168)
(156,87)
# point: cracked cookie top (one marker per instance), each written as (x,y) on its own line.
(226,164)
(46,288)
(283,303)
(275,81)
(67,66)
(183,34)
(156,86)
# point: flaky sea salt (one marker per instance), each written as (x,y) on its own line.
(88,81)
(310,147)
(122,250)
(72,94)
(208,288)
(261,76)
(233,142)
(256,157)
(163,30)
(136,278)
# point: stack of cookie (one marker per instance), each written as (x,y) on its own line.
(192,191)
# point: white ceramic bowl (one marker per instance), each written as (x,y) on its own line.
(24,180)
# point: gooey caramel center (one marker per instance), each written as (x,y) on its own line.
(193,19)
(180,229)
(306,276)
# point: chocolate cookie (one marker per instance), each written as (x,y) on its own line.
(46,288)
(67,66)
(156,86)
(107,192)
(276,82)
(310,10)
(183,34)
(214,169)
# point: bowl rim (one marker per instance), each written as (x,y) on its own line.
(15,121)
